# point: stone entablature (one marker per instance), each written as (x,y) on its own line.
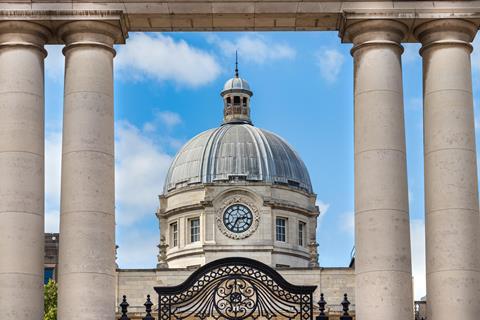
(209,202)
(225,15)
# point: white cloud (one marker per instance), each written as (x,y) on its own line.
(348,222)
(52,221)
(55,63)
(140,170)
(141,167)
(161,58)
(165,118)
(253,48)
(53,160)
(323,207)
(169,118)
(417,233)
(415,103)
(476,55)
(137,248)
(330,62)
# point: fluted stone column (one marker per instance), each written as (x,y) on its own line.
(451,191)
(382,233)
(21,169)
(87,221)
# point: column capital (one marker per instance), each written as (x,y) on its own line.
(24,33)
(90,33)
(446,32)
(374,32)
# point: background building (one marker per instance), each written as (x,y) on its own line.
(51,256)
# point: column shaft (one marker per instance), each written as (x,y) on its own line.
(87,222)
(451,191)
(382,233)
(21,169)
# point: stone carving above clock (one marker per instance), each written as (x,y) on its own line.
(238,217)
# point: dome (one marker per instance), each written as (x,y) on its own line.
(237,152)
(236,84)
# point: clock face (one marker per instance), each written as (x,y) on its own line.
(237,218)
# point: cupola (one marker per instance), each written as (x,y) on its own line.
(236,95)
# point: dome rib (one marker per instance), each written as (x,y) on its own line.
(237,151)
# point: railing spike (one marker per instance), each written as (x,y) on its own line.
(345,304)
(148,309)
(321,306)
(124,306)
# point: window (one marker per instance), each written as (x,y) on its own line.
(301,233)
(229,101)
(47,275)
(244,101)
(236,100)
(174,234)
(194,230)
(281,229)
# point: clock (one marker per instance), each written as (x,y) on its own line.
(237,218)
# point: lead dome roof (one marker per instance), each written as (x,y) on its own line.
(237,152)
(236,83)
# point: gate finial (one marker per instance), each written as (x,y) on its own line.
(148,309)
(345,304)
(124,306)
(321,305)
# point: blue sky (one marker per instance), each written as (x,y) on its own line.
(167,89)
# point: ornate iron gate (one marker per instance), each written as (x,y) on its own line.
(234,289)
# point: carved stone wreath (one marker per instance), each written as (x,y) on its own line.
(238,200)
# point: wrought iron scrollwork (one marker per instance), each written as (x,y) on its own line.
(233,289)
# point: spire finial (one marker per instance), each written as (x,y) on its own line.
(236,63)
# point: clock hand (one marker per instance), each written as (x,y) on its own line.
(241,218)
(236,220)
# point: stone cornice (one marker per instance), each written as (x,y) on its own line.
(224,15)
(187,208)
(283,205)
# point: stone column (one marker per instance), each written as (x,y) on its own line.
(382,233)
(21,169)
(451,191)
(87,221)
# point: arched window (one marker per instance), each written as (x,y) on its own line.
(236,100)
